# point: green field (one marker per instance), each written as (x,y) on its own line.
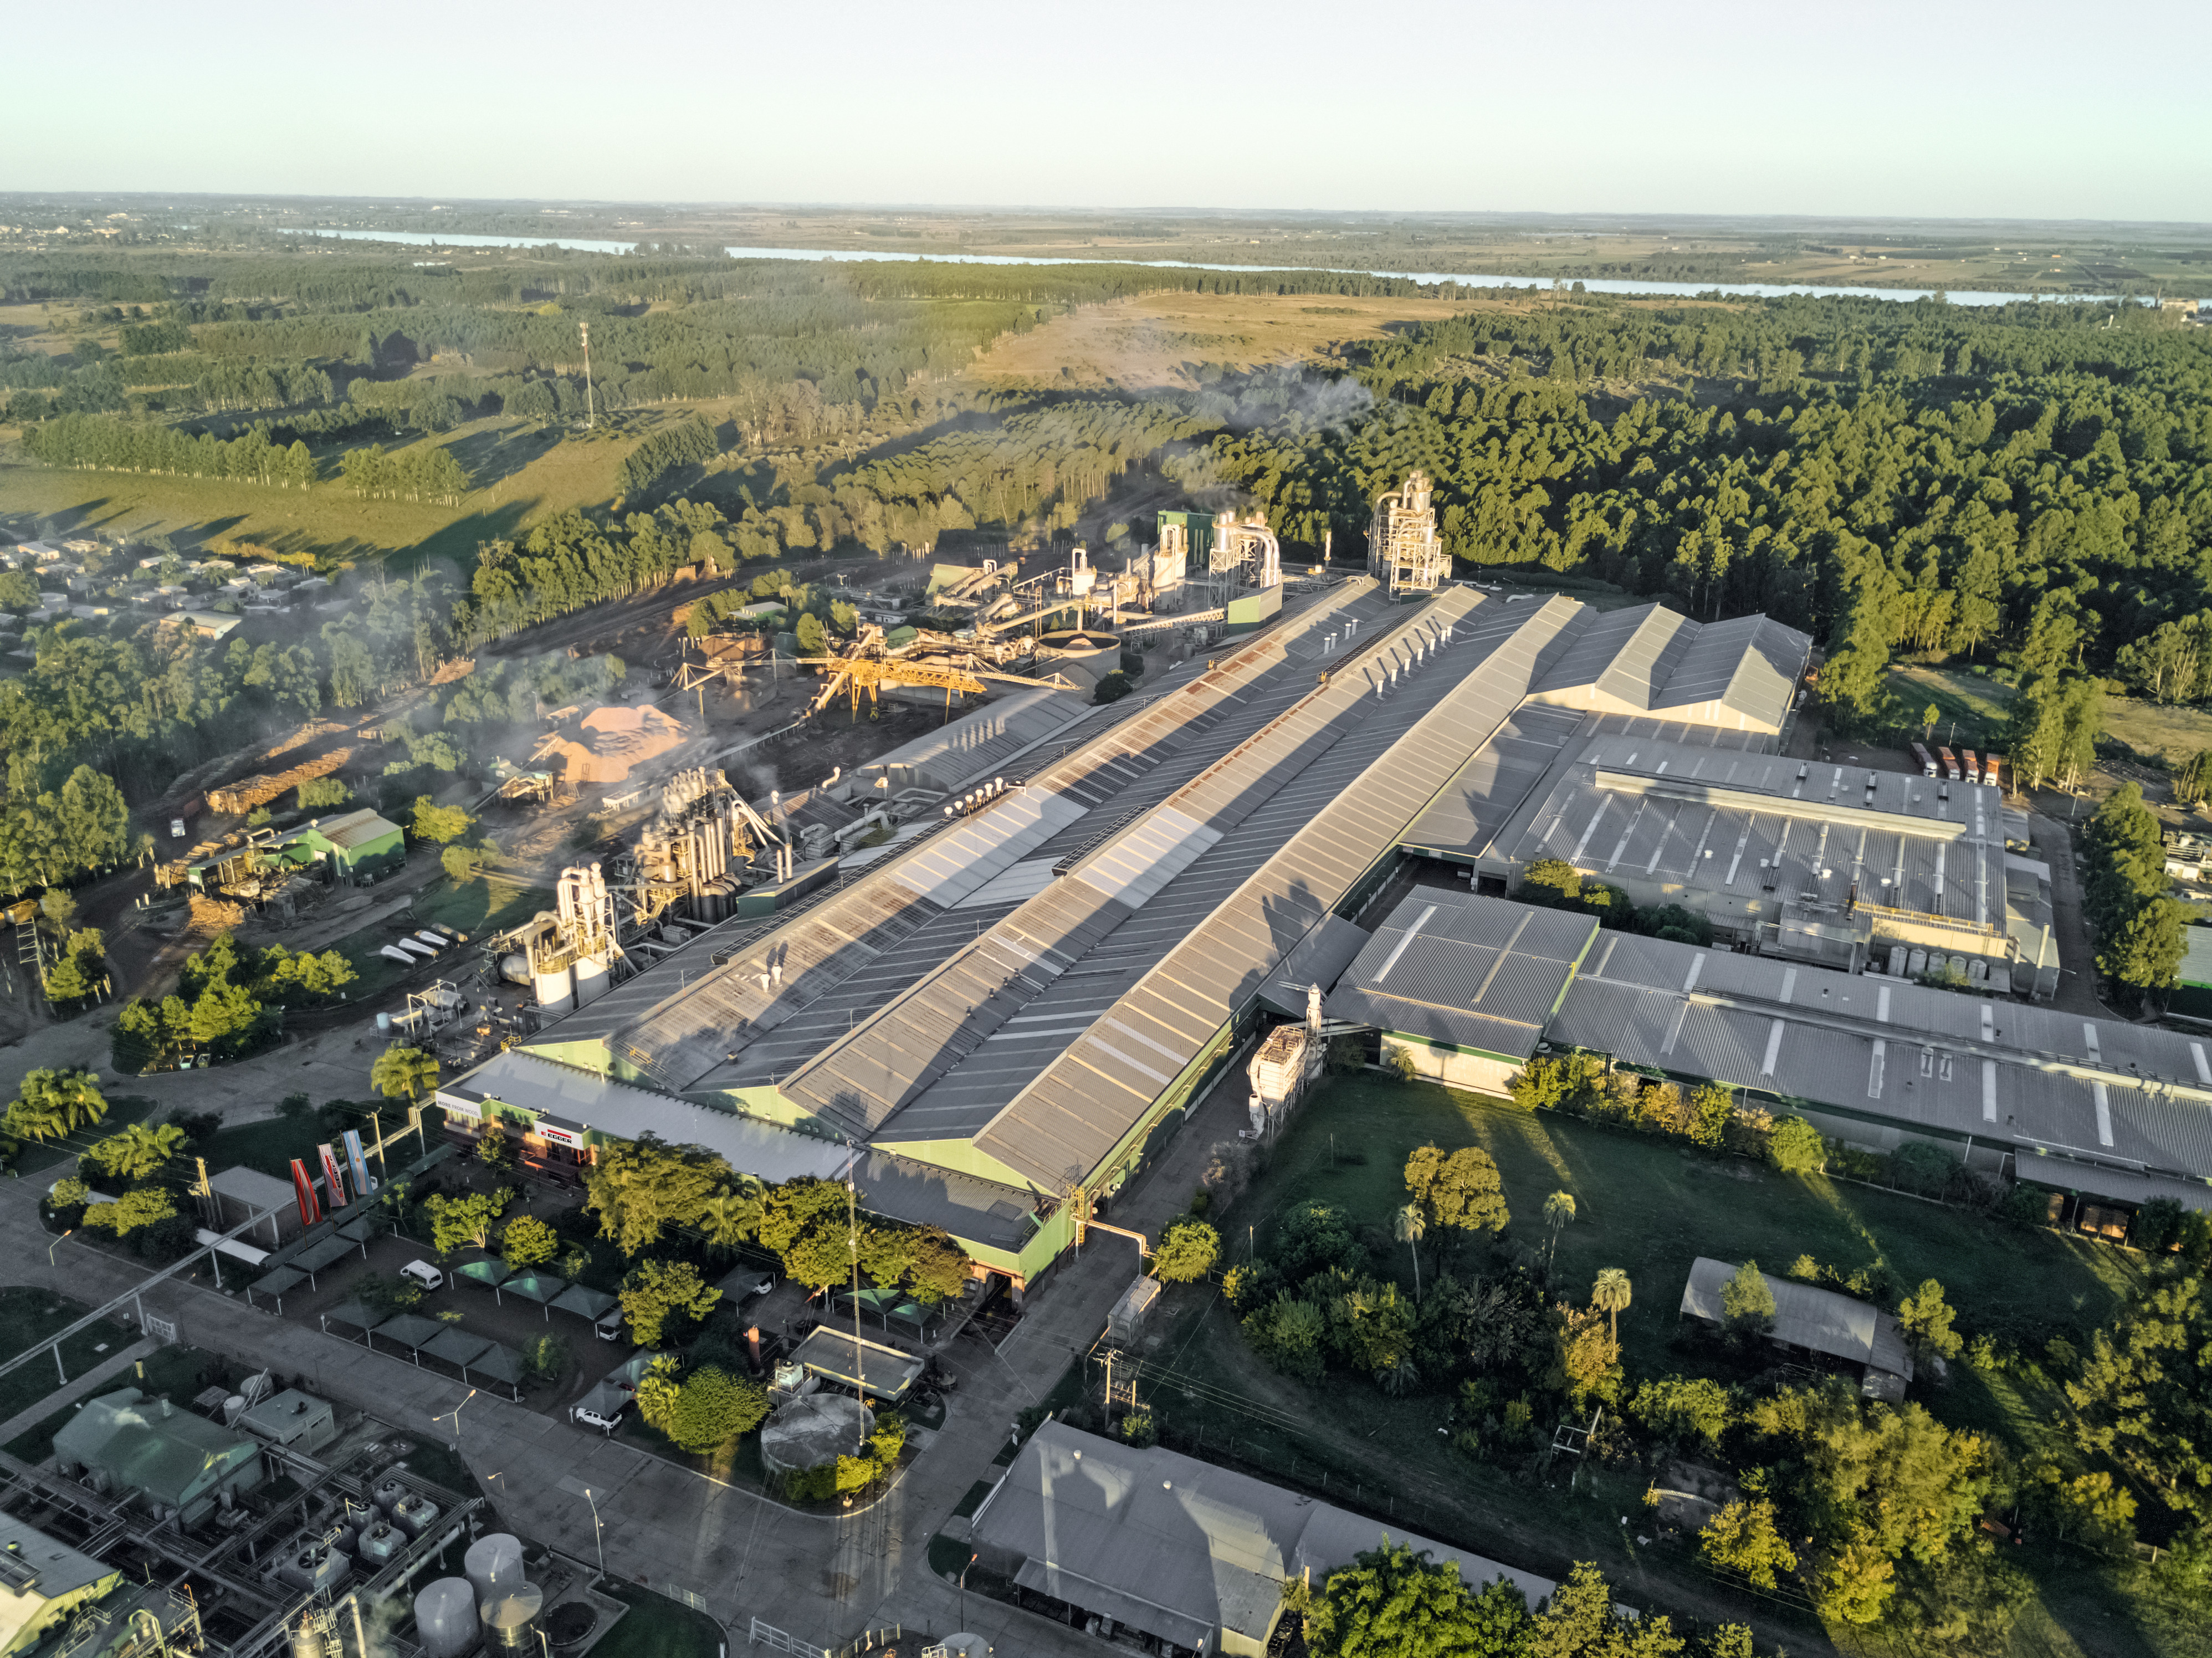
(1643,1204)
(519,479)
(29,1317)
(1981,703)
(657,1627)
(475,907)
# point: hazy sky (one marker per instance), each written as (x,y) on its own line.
(1934,108)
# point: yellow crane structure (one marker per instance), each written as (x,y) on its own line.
(866,668)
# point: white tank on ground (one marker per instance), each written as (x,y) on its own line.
(493,1566)
(510,1623)
(446,1617)
(514,968)
(592,980)
(556,990)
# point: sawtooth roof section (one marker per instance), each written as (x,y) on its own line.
(955,1003)
(1476,803)
(1626,655)
(1479,973)
(692,1034)
(2041,1082)
(1342,774)
(1750,665)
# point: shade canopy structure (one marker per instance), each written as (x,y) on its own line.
(363,1227)
(868,1366)
(457,1346)
(274,1285)
(585,1304)
(496,1364)
(491,1274)
(324,1253)
(353,1313)
(543,1288)
(410,1330)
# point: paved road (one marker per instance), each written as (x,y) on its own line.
(823,1579)
(2077,982)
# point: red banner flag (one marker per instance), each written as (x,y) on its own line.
(310,1210)
(333,1182)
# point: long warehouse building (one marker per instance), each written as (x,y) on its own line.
(991,1022)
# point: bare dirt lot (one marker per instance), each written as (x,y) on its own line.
(1161,339)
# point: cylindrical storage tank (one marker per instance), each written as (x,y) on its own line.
(591,980)
(384,1024)
(556,990)
(1086,656)
(1897,957)
(514,968)
(414,1515)
(446,1617)
(510,1623)
(1916,963)
(233,1408)
(307,1642)
(493,1566)
(1958,966)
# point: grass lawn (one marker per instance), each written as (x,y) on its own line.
(657,1627)
(271,1145)
(475,907)
(170,1372)
(29,1317)
(1641,1204)
(519,479)
(1981,703)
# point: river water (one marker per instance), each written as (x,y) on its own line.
(1595,285)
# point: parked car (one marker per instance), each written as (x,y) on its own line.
(421,1273)
(592,1418)
(608,1327)
(750,1290)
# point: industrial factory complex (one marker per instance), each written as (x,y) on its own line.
(986,977)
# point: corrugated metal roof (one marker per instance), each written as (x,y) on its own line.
(1312,803)
(355,829)
(582,1099)
(1174,1546)
(1805,1316)
(2008,1073)
(1473,972)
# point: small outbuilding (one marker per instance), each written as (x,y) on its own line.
(44,1580)
(180,1463)
(293,1420)
(1815,1320)
(360,845)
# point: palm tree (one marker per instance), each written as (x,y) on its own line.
(1410,1224)
(402,1072)
(142,1148)
(1558,1210)
(732,1214)
(1610,1295)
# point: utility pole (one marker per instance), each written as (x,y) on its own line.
(859,1364)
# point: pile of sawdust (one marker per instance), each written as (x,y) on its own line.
(607,743)
(211,916)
